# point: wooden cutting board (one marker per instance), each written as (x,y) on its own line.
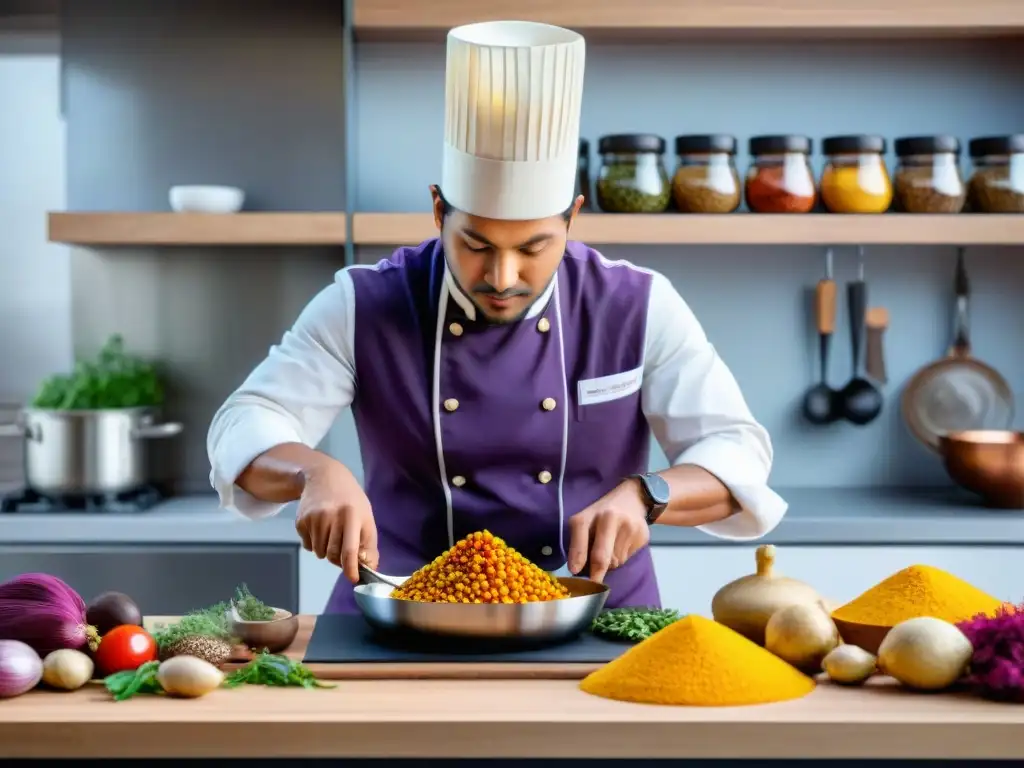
(407,670)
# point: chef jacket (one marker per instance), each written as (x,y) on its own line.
(465,425)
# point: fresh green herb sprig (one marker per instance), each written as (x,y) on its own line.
(634,624)
(208,622)
(251,608)
(213,621)
(124,685)
(274,670)
(113,379)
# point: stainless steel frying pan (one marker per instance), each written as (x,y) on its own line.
(550,621)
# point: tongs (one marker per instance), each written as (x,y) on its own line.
(369,576)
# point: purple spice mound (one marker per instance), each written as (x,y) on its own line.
(997,665)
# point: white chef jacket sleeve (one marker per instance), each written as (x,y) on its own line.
(293,396)
(699,416)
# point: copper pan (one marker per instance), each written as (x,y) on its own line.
(987,462)
(958,393)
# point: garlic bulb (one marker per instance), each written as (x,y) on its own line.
(746,604)
(925,653)
(67,669)
(849,664)
(801,634)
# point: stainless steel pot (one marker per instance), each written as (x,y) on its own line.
(86,452)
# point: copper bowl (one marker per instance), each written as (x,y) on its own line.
(987,462)
(866,636)
(274,635)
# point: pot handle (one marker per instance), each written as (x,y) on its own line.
(15,430)
(170,429)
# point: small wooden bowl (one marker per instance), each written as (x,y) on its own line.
(275,634)
(866,636)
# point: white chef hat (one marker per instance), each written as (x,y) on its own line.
(512,113)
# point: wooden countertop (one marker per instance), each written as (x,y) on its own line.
(502,718)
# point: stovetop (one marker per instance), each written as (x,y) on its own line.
(27,501)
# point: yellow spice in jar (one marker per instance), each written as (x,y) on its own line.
(920,590)
(856,189)
(698,662)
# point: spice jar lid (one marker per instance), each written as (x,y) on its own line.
(997,145)
(631,142)
(775,145)
(584,147)
(926,145)
(853,144)
(698,144)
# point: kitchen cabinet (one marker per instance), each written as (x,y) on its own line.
(690,576)
(164,579)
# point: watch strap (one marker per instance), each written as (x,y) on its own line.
(655,507)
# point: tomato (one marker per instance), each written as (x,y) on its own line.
(125,648)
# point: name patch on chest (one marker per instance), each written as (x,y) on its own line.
(611,387)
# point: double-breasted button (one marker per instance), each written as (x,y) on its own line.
(451,405)
(546,551)
(458,481)
(455,329)
(544,476)
(543,325)
(548,403)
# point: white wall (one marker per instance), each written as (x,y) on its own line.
(35,283)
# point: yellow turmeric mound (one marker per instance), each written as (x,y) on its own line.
(481,568)
(698,662)
(919,590)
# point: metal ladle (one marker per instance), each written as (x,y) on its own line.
(820,403)
(859,401)
(368,575)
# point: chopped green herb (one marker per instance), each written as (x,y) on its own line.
(124,685)
(249,607)
(633,624)
(208,622)
(274,670)
(213,621)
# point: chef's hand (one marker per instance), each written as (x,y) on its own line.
(610,530)
(335,519)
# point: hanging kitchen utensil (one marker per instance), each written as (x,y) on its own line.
(820,401)
(859,401)
(877,321)
(958,393)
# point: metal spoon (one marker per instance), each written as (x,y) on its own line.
(820,400)
(370,576)
(860,402)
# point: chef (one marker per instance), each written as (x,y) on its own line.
(501,376)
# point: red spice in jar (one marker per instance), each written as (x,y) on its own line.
(766,192)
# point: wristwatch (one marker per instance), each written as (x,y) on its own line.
(656,494)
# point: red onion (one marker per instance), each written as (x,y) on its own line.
(21,669)
(45,613)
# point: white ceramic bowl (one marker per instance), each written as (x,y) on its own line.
(206,199)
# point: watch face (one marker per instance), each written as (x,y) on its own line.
(658,488)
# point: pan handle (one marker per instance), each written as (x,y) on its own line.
(961,318)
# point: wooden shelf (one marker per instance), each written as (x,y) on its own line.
(735,229)
(197,228)
(679,19)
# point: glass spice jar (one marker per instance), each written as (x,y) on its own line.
(706,180)
(997,184)
(583,176)
(855,179)
(632,178)
(927,178)
(780,179)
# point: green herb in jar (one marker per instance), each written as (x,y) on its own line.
(632,178)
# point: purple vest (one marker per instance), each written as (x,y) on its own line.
(456,423)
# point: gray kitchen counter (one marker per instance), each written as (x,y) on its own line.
(817,516)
